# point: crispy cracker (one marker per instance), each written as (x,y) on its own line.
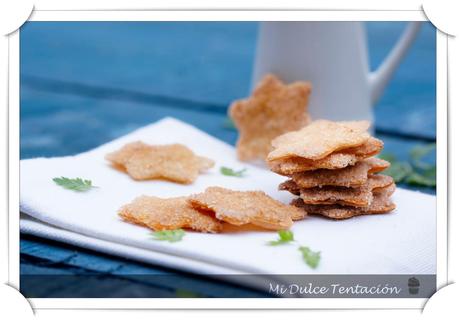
(350,176)
(174,162)
(358,197)
(273,109)
(291,187)
(168,214)
(298,214)
(319,139)
(204,163)
(336,160)
(245,207)
(381,204)
(121,156)
(387,191)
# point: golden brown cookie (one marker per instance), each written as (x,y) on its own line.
(167,214)
(319,139)
(350,176)
(336,160)
(361,196)
(174,162)
(381,204)
(273,109)
(121,156)
(245,207)
(386,190)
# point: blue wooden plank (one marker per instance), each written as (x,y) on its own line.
(71,283)
(210,62)
(36,249)
(33,267)
(53,254)
(50,121)
(60,282)
(408,104)
(52,269)
(47,126)
(35,287)
(202,61)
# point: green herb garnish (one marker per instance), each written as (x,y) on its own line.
(184,293)
(399,171)
(419,152)
(285,236)
(415,171)
(388,157)
(230,172)
(169,235)
(76,184)
(310,257)
(421,180)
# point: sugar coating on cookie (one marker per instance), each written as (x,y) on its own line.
(174,162)
(360,196)
(336,160)
(273,109)
(245,207)
(167,214)
(381,203)
(319,139)
(350,176)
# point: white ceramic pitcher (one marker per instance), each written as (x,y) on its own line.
(333,57)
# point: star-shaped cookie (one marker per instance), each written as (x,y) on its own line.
(273,109)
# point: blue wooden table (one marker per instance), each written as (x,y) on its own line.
(84,84)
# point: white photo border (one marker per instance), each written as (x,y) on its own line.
(236,303)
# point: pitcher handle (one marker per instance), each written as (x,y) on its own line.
(381,76)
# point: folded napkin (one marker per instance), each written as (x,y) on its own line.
(35,227)
(402,242)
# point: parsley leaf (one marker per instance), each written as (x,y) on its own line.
(310,257)
(420,151)
(184,293)
(431,172)
(388,157)
(416,171)
(285,236)
(76,184)
(169,235)
(399,171)
(230,172)
(421,180)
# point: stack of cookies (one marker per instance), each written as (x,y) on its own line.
(331,168)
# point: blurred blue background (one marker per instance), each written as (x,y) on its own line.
(85,83)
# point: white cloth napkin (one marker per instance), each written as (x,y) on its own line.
(402,242)
(35,227)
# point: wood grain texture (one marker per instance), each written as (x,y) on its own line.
(207,62)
